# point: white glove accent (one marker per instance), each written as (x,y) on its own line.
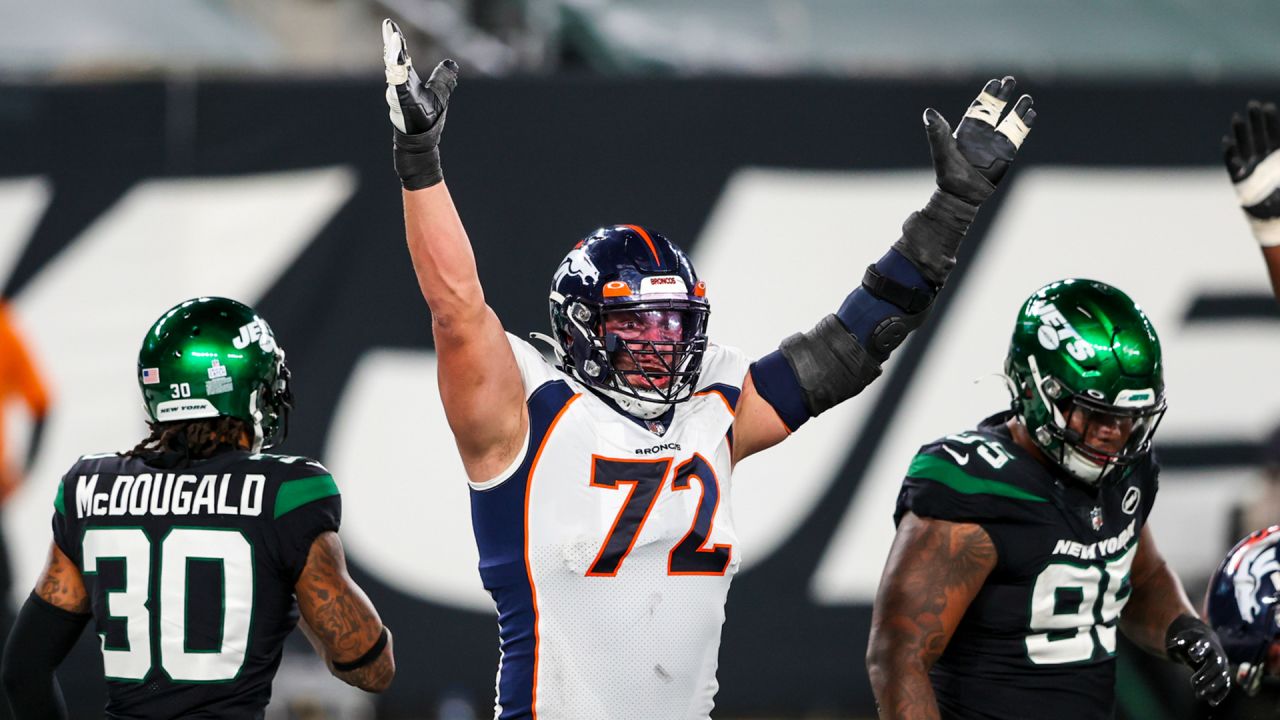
(1014,128)
(397,73)
(1264,180)
(987,108)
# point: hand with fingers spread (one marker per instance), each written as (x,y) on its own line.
(1250,153)
(970,163)
(417,110)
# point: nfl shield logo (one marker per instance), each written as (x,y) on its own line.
(1095,516)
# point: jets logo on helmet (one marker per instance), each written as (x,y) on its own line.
(629,318)
(1084,362)
(255,331)
(213,356)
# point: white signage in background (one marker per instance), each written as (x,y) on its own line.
(780,250)
(163,242)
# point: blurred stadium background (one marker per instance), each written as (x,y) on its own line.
(150,152)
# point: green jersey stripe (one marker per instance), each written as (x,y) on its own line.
(58,503)
(928,467)
(296,493)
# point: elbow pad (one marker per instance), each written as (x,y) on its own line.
(829,364)
(812,372)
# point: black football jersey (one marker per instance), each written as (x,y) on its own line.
(1039,639)
(190,568)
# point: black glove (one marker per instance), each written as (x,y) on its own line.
(970,163)
(417,110)
(1192,643)
(1254,165)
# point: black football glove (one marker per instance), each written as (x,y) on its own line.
(1194,644)
(970,163)
(417,110)
(1250,152)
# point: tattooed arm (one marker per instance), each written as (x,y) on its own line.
(61,584)
(339,619)
(46,629)
(934,570)
(1157,600)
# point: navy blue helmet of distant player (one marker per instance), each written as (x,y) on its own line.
(1243,603)
(629,318)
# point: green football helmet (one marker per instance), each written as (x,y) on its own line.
(209,357)
(1085,362)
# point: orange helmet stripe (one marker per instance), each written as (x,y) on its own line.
(648,240)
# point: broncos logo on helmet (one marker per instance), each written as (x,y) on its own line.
(1243,604)
(578,264)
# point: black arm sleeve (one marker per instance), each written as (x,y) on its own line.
(40,639)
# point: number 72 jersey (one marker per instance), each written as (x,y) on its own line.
(1039,638)
(608,548)
(190,569)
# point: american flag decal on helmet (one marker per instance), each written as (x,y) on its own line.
(150,376)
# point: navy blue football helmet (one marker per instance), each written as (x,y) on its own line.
(1243,604)
(629,318)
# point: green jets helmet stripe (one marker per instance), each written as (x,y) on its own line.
(293,494)
(209,357)
(929,467)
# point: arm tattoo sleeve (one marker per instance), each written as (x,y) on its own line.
(340,616)
(61,584)
(934,571)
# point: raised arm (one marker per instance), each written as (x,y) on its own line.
(340,621)
(1160,619)
(480,383)
(935,569)
(47,627)
(1250,152)
(813,371)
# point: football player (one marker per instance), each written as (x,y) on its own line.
(600,482)
(1249,150)
(1243,605)
(1022,546)
(194,552)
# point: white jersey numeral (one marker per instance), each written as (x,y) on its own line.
(129,604)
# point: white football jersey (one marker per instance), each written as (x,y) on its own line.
(609,549)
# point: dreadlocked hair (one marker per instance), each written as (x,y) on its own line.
(194,439)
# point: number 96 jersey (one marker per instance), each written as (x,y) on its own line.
(190,569)
(608,548)
(1039,638)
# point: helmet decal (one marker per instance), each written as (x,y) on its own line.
(578,264)
(1243,604)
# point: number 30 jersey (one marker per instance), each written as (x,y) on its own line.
(608,548)
(1039,639)
(190,569)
